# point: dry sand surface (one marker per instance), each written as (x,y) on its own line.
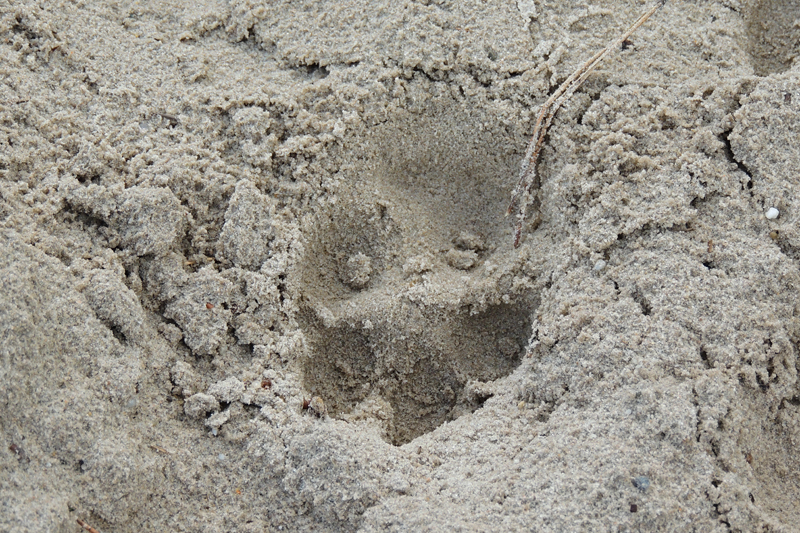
(255,273)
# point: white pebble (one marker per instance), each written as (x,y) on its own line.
(772,213)
(600,265)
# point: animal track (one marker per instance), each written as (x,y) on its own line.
(396,306)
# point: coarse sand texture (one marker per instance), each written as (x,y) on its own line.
(256,274)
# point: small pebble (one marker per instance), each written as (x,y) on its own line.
(600,265)
(221,457)
(641,483)
(317,407)
(772,213)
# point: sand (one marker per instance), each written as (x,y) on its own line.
(256,274)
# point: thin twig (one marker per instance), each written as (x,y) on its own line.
(527,174)
(86,526)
